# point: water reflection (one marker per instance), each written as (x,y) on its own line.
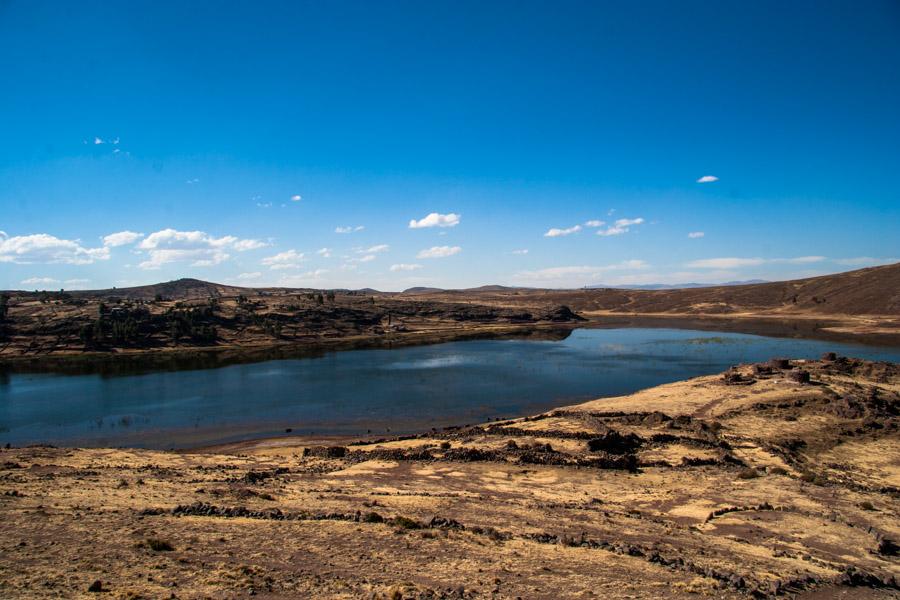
(404,389)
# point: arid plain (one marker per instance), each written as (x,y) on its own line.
(771,479)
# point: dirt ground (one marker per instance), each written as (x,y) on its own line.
(753,483)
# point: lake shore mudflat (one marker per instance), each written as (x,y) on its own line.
(770,479)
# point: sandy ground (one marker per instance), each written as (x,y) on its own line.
(755,483)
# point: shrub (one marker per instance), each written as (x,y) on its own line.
(159,545)
(748,473)
(406,523)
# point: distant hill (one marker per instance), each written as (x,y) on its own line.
(422,290)
(180,289)
(874,291)
(673,286)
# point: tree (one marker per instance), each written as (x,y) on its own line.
(320,299)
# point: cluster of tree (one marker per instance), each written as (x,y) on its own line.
(60,297)
(193,323)
(4,306)
(120,326)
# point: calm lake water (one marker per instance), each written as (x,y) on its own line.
(354,392)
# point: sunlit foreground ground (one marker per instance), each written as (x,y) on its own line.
(752,483)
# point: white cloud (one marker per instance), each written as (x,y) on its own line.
(436,220)
(725,263)
(556,232)
(733,262)
(405,267)
(439,252)
(366,258)
(575,276)
(289,259)
(324,252)
(249,276)
(296,198)
(376,249)
(47,249)
(192,181)
(307,279)
(521,252)
(800,260)
(595,223)
(244,245)
(33,281)
(696,234)
(98,141)
(708,179)
(121,238)
(203,250)
(866,261)
(620,226)
(349,229)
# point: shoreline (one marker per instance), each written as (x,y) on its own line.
(752,481)
(866,330)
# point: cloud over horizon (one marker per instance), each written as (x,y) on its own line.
(47,249)
(734,262)
(196,247)
(289,259)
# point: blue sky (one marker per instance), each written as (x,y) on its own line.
(197,125)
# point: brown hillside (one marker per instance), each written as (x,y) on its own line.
(872,291)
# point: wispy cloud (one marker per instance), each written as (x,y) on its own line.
(198,247)
(307,279)
(245,245)
(557,232)
(435,220)
(76,284)
(296,198)
(376,249)
(734,262)
(38,281)
(866,261)
(405,267)
(708,179)
(595,223)
(324,252)
(289,259)
(575,276)
(192,181)
(349,229)
(122,238)
(47,249)
(520,252)
(620,226)
(696,234)
(249,276)
(439,252)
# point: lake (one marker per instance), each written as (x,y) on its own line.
(356,392)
